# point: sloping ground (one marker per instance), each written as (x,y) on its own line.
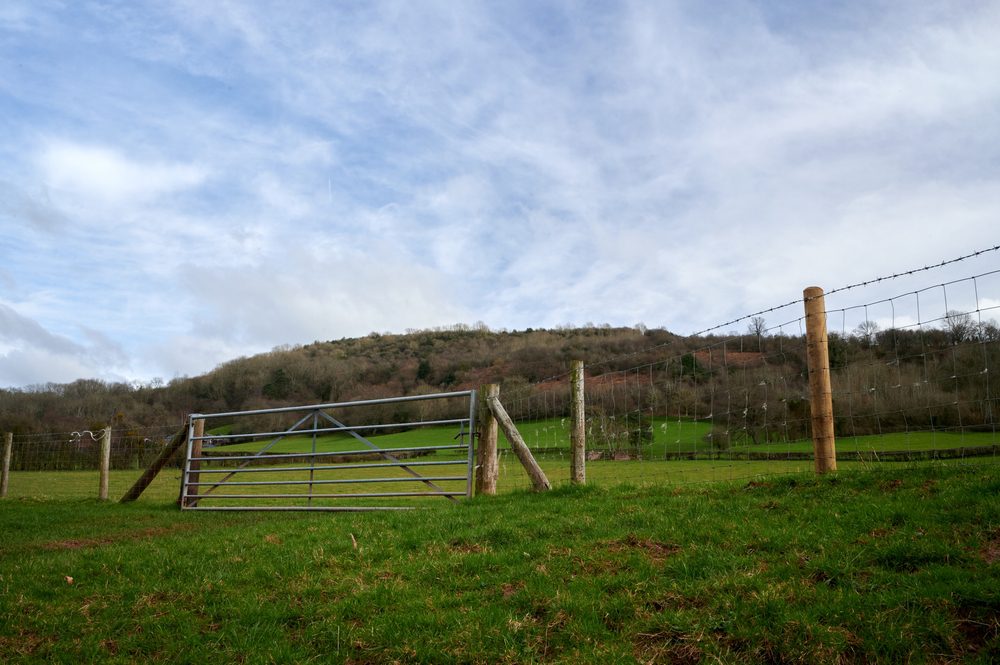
(895,566)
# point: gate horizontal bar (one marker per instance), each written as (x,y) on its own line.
(327,430)
(339,481)
(361,495)
(331,467)
(333,405)
(365,451)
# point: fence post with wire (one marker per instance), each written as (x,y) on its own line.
(8,444)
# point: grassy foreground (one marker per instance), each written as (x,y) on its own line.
(891,565)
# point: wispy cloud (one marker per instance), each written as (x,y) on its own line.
(199,180)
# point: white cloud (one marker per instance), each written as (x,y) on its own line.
(107,176)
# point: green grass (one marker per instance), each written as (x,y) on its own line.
(669,435)
(894,441)
(894,565)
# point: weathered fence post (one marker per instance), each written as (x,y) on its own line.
(538,480)
(487,467)
(194,476)
(105,463)
(820,390)
(8,445)
(578,431)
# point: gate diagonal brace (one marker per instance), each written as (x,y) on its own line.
(245,464)
(384,454)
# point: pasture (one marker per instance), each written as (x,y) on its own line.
(895,564)
(668,435)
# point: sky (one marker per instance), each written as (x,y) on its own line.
(186,182)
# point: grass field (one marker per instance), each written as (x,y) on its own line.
(47,485)
(63,485)
(898,564)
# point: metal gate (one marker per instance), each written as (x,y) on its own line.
(400,450)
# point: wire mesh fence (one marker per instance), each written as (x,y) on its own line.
(62,465)
(911,379)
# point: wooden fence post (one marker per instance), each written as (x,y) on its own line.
(487,467)
(8,444)
(578,431)
(820,390)
(538,480)
(194,476)
(105,463)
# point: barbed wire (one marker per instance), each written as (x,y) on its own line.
(797,301)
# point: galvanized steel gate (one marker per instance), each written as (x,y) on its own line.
(404,454)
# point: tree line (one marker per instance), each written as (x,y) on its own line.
(752,384)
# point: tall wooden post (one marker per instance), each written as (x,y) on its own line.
(487,465)
(194,476)
(8,445)
(578,431)
(820,390)
(105,463)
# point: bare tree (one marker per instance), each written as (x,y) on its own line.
(757,326)
(866,332)
(960,326)
(989,331)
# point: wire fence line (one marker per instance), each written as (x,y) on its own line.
(68,464)
(912,379)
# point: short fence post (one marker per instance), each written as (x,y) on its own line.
(8,444)
(105,463)
(578,431)
(487,467)
(820,390)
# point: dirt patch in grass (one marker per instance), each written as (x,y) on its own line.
(655,550)
(666,647)
(991,550)
(25,643)
(125,536)
(508,589)
(979,628)
(465,547)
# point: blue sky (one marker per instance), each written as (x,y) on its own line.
(182,183)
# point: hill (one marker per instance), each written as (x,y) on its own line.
(378,365)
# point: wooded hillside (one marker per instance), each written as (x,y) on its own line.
(882,379)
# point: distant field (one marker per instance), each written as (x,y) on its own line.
(669,435)
(549,439)
(62,485)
